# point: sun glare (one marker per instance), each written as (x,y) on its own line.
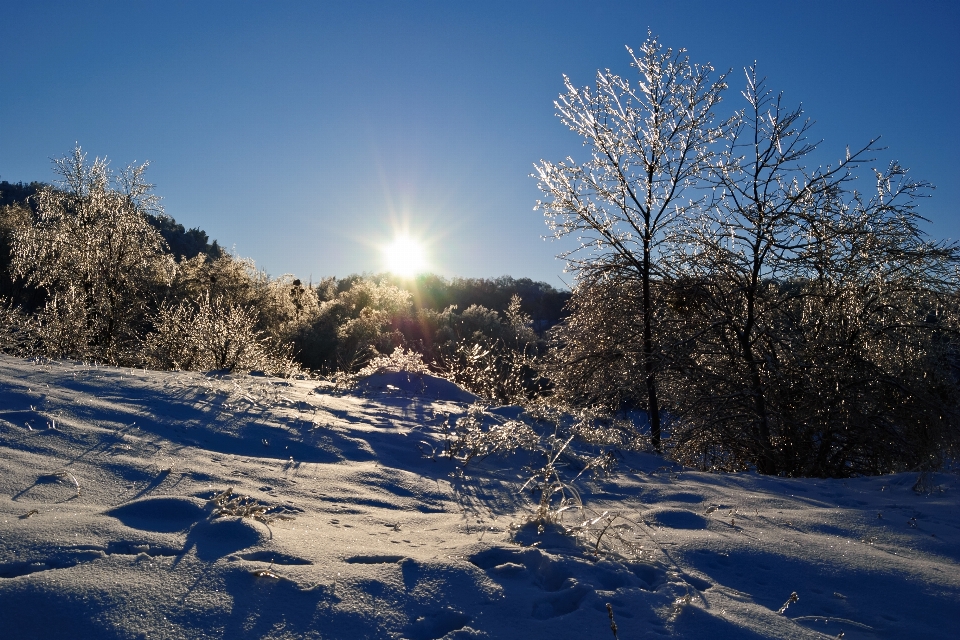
(405,256)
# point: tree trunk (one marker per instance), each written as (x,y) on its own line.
(766,463)
(653,405)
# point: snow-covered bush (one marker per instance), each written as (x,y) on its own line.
(497,359)
(479,434)
(13,218)
(211,334)
(283,306)
(401,360)
(595,358)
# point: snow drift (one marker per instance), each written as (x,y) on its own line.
(144,504)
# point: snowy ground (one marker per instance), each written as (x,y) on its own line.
(107,529)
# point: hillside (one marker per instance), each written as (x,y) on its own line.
(120,517)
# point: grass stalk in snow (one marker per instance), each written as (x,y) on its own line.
(613,624)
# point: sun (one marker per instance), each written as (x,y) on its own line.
(404,256)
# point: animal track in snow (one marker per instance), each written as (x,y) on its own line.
(562,603)
(565,582)
(435,626)
(678,519)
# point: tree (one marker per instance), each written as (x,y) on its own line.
(804,289)
(650,142)
(92,249)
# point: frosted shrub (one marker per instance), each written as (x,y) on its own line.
(211,334)
(401,360)
(493,358)
(351,326)
(64,328)
(17,329)
(91,249)
(478,435)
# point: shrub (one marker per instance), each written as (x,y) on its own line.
(18,331)
(213,335)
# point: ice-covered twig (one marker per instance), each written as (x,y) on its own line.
(786,605)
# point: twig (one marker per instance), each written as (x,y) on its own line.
(786,605)
(613,624)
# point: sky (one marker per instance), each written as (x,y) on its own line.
(306,135)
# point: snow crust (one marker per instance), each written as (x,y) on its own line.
(107,528)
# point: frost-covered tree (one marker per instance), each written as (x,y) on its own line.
(91,248)
(650,140)
(799,289)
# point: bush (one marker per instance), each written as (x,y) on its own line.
(352,327)
(18,331)
(213,335)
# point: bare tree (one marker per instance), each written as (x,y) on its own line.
(650,141)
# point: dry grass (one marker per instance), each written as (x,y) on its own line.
(226,503)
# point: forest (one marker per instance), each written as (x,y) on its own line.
(733,308)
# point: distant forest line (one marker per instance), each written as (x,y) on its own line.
(333,325)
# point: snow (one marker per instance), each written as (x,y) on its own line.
(109,527)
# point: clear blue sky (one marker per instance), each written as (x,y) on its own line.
(302,133)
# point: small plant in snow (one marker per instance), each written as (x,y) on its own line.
(786,605)
(226,503)
(62,476)
(556,495)
(613,624)
(473,437)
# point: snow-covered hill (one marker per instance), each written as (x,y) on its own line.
(121,503)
